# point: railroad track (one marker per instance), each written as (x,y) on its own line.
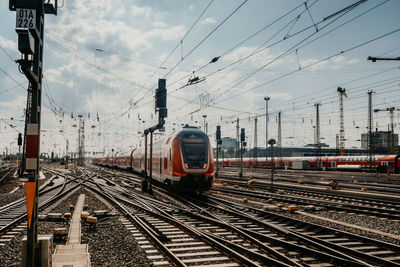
(255,221)
(386,209)
(312,176)
(5,173)
(214,231)
(13,215)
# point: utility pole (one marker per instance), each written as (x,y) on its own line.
(242,140)
(267,98)
(342,92)
(272,142)
(337,144)
(66,157)
(81,141)
(255,141)
(280,133)
(30,44)
(237,138)
(150,189)
(370,143)
(318,134)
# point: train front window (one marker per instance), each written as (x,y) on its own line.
(194,148)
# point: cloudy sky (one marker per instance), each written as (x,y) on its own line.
(102,59)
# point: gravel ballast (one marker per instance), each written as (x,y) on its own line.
(382,224)
(110,245)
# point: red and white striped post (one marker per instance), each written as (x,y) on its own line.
(32,146)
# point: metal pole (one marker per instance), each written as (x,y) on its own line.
(241,160)
(266,130)
(369,139)
(66,157)
(280,133)
(255,143)
(318,135)
(34,128)
(150,190)
(237,138)
(216,172)
(145,156)
(273,169)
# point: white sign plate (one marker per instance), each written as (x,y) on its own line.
(26,18)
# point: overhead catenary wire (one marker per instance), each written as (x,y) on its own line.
(291,50)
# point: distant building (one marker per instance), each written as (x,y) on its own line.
(228,143)
(380,141)
(316,145)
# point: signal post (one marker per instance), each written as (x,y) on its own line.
(30,29)
(161,107)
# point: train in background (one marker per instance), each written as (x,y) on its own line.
(380,163)
(182,161)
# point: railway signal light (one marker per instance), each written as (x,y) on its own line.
(19,139)
(242,135)
(218,134)
(161,102)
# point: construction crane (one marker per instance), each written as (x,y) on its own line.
(342,92)
(391,112)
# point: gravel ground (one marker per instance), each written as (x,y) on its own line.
(381,224)
(6,197)
(10,182)
(110,245)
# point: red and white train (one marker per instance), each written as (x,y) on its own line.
(182,160)
(348,163)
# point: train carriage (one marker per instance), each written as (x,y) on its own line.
(182,161)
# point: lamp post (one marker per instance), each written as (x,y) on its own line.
(266,130)
(272,142)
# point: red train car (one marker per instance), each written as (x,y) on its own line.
(379,163)
(182,160)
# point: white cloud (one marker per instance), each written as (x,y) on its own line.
(172,33)
(159,24)
(281,96)
(8,44)
(208,21)
(139,11)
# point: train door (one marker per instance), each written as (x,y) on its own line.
(286,164)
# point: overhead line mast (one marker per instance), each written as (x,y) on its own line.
(342,92)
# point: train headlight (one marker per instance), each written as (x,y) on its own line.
(205,165)
(186,166)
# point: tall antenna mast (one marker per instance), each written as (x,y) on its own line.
(342,92)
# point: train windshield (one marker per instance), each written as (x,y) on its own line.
(194,147)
